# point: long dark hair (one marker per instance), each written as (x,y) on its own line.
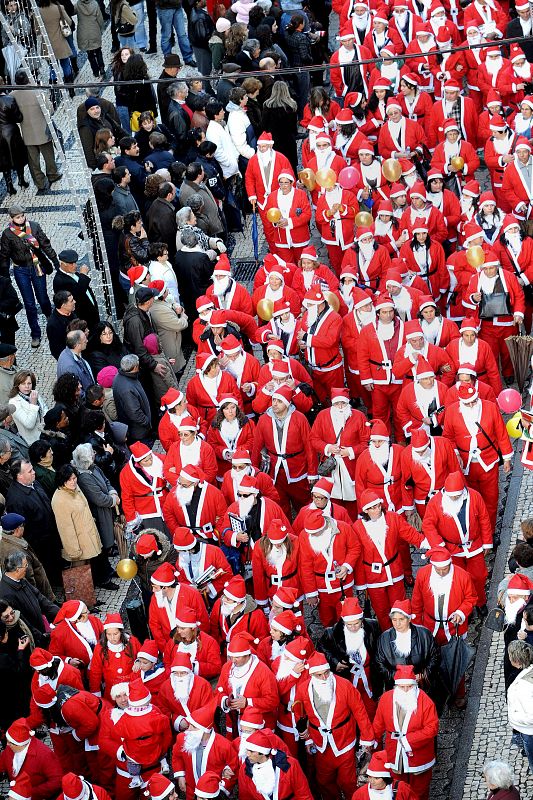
(124,639)
(373,101)
(319,93)
(135,68)
(219,418)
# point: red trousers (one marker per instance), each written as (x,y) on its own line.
(299,493)
(70,753)
(486,483)
(477,569)
(336,774)
(290,741)
(291,254)
(405,555)
(329,607)
(357,391)
(382,600)
(384,403)
(324,382)
(335,254)
(419,782)
(349,505)
(495,337)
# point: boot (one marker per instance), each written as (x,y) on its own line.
(70,79)
(9,183)
(74,62)
(22,183)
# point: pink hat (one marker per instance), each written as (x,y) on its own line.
(106,376)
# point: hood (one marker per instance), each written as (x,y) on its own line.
(233,107)
(131,311)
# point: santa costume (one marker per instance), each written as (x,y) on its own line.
(263,171)
(204,391)
(183,692)
(235,612)
(195,557)
(368,259)
(426,462)
(114,663)
(421,405)
(476,353)
(334,217)
(320,343)
(378,769)
(73,638)
(143,488)
(36,760)
(241,465)
(168,424)
(181,455)
(324,489)
(272,565)
(279,776)
(164,608)
(288,240)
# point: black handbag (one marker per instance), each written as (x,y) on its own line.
(493,305)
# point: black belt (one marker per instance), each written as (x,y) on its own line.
(385,563)
(440,621)
(321,366)
(284,455)
(380,364)
(330,730)
(286,577)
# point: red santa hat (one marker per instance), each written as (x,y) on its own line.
(286,597)
(252,718)
(192,473)
(149,651)
(235,589)
(187,424)
(365,146)
(19,733)
(419,439)
(451,85)
(424,29)
(208,786)
(368,499)
(407,166)
(283,393)
(314,521)
(276,344)
(351,610)
(378,430)
(204,360)
(389,49)
(493,96)
(317,663)
(418,190)
(139,450)
(405,675)
(298,649)
(467,394)
(528,99)
(340,396)
(472,230)
(70,611)
(420,225)
(497,123)
(377,767)
(241,456)
(113,621)
(423,369)
(21,788)
(443,35)
(439,557)
(516,53)
(74,788)
(360,298)
(313,297)
(397,189)
(240,644)
(309,252)
(434,173)
(486,199)
(324,487)
(362,232)
(203,718)
(203,303)
(280,368)
(223,266)
(393,102)
(164,575)
(181,662)
(186,618)
(381,82)
(467,369)
(454,483)
(277,531)
(348,272)
(344,117)
(450,125)
(260,742)
(44,696)
(520,584)
(288,175)
(248,485)
(137,275)
(281,306)
(41,659)
(147,545)
(469,324)
(138,694)
(229,398)
(522,144)
(491,259)
(160,787)
(393,276)
(413,329)
(345,34)
(509,221)
(266,138)
(273,268)
(286,622)
(317,124)
(183,539)
(402,607)
(171,398)
(426,301)
(410,78)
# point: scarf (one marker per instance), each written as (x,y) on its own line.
(26,234)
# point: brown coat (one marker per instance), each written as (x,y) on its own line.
(35,573)
(76,526)
(52,16)
(34,126)
(169,327)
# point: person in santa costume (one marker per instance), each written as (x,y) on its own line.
(226,292)
(269,772)
(453,106)
(517,184)
(408,719)
(25,754)
(361,314)
(75,634)
(236,612)
(466,374)
(444,201)
(150,668)
(349,647)
(269,261)
(290,234)
(368,258)
(324,157)
(499,152)
(422,401)
(457,518)
(244,367)
(195,558)
(285,435)
(379,571)
(496,72)
(470,349)
(83,713)
(321,499)
(283,326)
(160,788)
(275,561)
(190,450)
(423,47)
(416,348)
(319,340)
(347,73)
(143,488)
(140,754)
(471,234)
(289,667)
(355,13)
(437,330)
(317,124)
(213,324)
(310,272)
(404,22)
(342,432)
(515,252)
(175,407)
(168,596)
(488,17)
(204,651)
(523,120)
(399,137)
(498,300)
(263,171)
(183,692)
(271,373)
(205,389)
(113,657)
(274,289)
(241,465)
(283,372)
(379,467)
(231,430)
(494,108)
(415,104)
(327,560)
(334,217)
(454,146)
(425,462)
(378,344)
(195,504)
(425,257)
(200,749)
(516,602)
(381,34)
(381,785)
(489,217)
(246,681)
(420,208)
(336,720)
(449,65)
(348,138)
(285,627)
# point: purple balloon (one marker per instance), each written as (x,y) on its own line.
(349,177)
(509,401)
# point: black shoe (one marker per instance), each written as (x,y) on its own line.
(191,64)
(55,180)
(41,192)
(151,51)
(482,610)
(23,184)
(10,188)
(109,585)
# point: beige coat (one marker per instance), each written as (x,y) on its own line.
(169,326)
(76,526)
(34,126)
(52,16)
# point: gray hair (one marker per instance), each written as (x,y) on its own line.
(14,561)
(250,45)
(266,5)
(183,216)
(196,202)
(83,456)
(129,362)
(176,88)
(499,774)
(189,238)
(74,338)
(5,446)
(520,653)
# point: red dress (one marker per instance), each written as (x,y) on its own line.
(112,667)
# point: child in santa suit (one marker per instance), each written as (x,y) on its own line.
(114,656)
(75,634)
(78,788)
(381,783)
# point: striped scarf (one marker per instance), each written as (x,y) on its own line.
(26,234)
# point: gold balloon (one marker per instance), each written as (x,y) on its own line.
(457,163)
(332,300)
(326,178)
(475,256)
(273,215)
(391,170)
(126,569)
(363,220)
(307,177)
(265,307)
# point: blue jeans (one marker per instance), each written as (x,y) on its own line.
(527,743)
(124,114)
(31,286)
(140,33)
(174,18)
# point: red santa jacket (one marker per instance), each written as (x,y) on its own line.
(517,192)
(384,480)
(419,111)
(273,330)
(290,781)
(452,66)
(334,162)
(433,217)
(258,186)
(414,750)
(322,340)
(402,789)
(211,507)
(468,123)
(411,414)
(301,400)
(269,510)
(450,209)
(245,322)
(502,81)
(481,357)
(42,767)
(251,619)
(337,228)
(257,685)
(168,431)
(478,15)
(369,274)
(411,136)
(206,403)
(492,423)
(287,687)
(176,710)
(441,162)
(288,295)
(462,541)
(391,37)
(296,233)
(333,510)
(217,754)
(346,719)
(268,577)
(141,493)
(348,149)
(132,728)
(297,371)
(409,35)
(294,456)
(373,570)
(210,556)
(236,298)
(328,115)
(421,480)
(264,484)
(162,616)
(321,275)
(514,291)
(354,435)
(207,461)
(460,599)
(350,332)
(376,356)
(446,332)
(317,570)
(434,272)
(66,641)
(460,274)
(520,264)
(82,713)
(109,668)
(494,160)
(483,389)
(205,659)
(223,448)
(404,367)
(338,82)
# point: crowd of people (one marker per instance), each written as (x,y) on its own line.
(343,411)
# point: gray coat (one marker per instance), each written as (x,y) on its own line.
(210,206)
(52,16)
(6,384)
(19,446)
(90,24)
(67,362)
(34,127)
(133,407)
(99,494)
(169,326)
(124,200)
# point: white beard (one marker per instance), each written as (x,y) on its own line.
(324,689)
(436,198)
(285,667)
(229,430)
(440,585)
(451,506)
(238,474)
(264,778)
(377,530)
(320,542)
(437,23)
(184,495)
(193,740)
(242,744)
(277,555)
(466,203)
(312,314)
(385,330)
(422,458)
(227,608)
(366,317)
(346,290)
(406,700)
(401,19)
(322,157)
(308,275)
(354,642)
(86,630)
(382,228)
(155,470)
(181,686)
(245,505)
(424,397)
(403,302)
(361,22)
(266,157)
(367,250)
(403,642)
(274,294)
(502,146)
(339,417)
(289,325)
(431,329)
(390,70)
(493,65)
(512,609)
(190,453)
(379,455)
(236,368)
(523,72)
(220,285)
(514,241)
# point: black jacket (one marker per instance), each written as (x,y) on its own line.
(138,176)
(162,226)
(56,331)
(133,407)
(9,306)
(86,305)
(194,270)
(137,325)
(200,28)
(13,249)
(16,673)
(163,97)
(31,603)
(514,28)
(424,655)
(333,645)
(88,129)
(179,124)
(40,529)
